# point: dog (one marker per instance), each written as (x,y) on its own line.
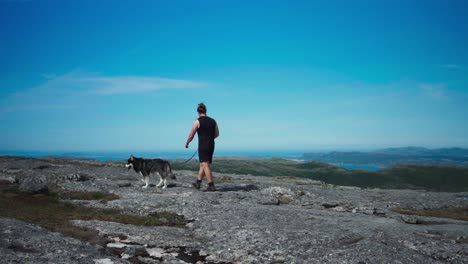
(146,167)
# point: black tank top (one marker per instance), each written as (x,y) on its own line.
(206,131)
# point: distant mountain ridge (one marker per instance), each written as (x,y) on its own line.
(424,151)
(395,156)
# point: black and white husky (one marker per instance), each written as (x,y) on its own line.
(146,167)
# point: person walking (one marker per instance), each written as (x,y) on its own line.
(207,130)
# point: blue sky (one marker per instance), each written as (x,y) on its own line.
(276,75)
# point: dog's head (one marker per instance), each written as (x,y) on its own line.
(130,161)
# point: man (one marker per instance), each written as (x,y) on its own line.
(207,131)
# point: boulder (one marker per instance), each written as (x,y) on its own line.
(34,184)
(283,195)
(79,177)
(6,179)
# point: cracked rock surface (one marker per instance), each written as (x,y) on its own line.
(250,219)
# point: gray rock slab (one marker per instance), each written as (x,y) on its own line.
(34,184)
(21,242)
(255,219)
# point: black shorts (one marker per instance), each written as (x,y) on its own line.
(205,154)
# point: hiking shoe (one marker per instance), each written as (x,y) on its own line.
(197,185)
(210,187)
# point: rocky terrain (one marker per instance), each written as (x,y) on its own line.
(250,219)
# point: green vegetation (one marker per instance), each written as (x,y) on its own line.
(260,167)
(431,178)
(458,213)
(48,211)
(58,160)
(103,197)
(386,157)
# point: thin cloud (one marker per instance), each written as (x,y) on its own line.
(77,82)
(133,84)
(15,1)
(435,91)
(49,76)
(452,66)
(56,91)
(34,107)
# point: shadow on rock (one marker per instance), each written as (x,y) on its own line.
(246,188)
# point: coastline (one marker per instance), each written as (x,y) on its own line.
(171,155)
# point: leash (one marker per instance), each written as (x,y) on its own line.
(188,159)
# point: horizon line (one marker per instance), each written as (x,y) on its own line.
(234,149)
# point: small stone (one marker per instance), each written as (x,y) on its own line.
(284,199)
(156,252)
(125,184)
(272,201)
(410,220)
(115,238)
(339,209)
(211,258)
(116,245)
(409,245)
(103,261)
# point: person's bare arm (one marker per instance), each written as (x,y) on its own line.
(216,131)
(195,127)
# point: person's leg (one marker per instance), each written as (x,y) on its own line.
(201,172)
(207,171)
(209,177)
(205,156)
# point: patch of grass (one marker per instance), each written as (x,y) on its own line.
(457,213)
(51,213)
(221,179)
(4,182)
(58,160)
(8,158)
(103,197)
(72,161)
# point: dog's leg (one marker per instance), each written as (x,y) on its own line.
(142,177)
(146,182)
(165,184)
(160,181)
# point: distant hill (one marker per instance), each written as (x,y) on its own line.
(395,156)
(431,178)
(420,151)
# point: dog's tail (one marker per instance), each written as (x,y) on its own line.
(168,170)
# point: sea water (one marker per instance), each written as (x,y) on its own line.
(361,167)
(124,155)
(185,154)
